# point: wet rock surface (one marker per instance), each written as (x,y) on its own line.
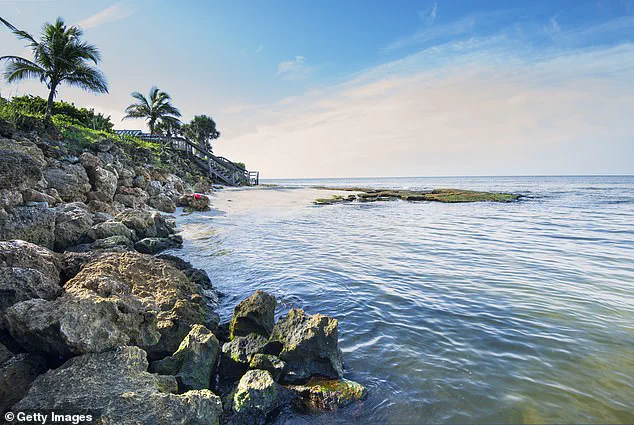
(253,315)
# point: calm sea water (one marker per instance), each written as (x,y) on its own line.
(448,313)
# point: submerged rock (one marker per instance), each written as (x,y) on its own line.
(253,315)
(328,394)
(309,345)
(116,387)
(194,362)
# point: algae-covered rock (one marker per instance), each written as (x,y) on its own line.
(255,314)
(335,199)
(328,394)
(156,245)
(256,396)
(309,345)
(194,202)
(194,362)
(268,362)
(116,387)
(237,353)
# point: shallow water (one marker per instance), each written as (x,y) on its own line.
(448,313)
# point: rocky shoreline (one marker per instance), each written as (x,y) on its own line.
(93,320)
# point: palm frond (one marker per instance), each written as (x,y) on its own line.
(87,78)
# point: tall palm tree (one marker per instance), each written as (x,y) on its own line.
(59,57)
(156,107)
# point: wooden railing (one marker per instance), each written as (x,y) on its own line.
(217,166)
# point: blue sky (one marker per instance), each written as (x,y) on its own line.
(365,88)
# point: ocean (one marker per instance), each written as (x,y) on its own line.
(448,313)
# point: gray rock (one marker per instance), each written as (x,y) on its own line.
(104,184)
(70,181)
(89,161)
(19,171)
(156,245)
(309,345)
(30,195)
(255,314)
(145,224)
(10,198)
(194,363)
(256,396)
(117,387)
(116,242)
(131,197)
(72,223)
(162,203)
(109,228)
(154,188)
(267,362)
(17,373)
(237,353)
(34,224)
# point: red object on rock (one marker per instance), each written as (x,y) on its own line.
(197,195)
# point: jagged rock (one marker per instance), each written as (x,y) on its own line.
(89,161)
(104,145)
(125,178)
(104,184)
(194,202)
(156,245)
(19,171)
(237,353)
(131,197)
(30,195)
(255,314)
(26,271)
(72,222)
(35,224)
(109,228)
(154,188)
(24,146)
(115,384)
(17,373)
(309,346)
(194,363)
(328,394)
(145,224)
(116,242)
(197,276)
(162,203)
(10,198)
(267,362)
(137,278)
(100,206)
(139,181)
(100,217)
(256,396)
(70,181)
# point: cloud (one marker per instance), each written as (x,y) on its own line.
(428,16)
(477,106)
(113,13)
(293,69)
(553,26)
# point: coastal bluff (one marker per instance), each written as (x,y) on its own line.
(94,320)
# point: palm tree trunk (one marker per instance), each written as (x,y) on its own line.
(49,102)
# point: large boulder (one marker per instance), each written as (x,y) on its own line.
(70,181)
(34,224)
(237,354)
(145,224)
(109,228)
(256,396)
(156,245)
(104,184)
(131,197)
(72,222)
(328,394)
(268,362)
(17,373)
(194,202)
(194,363)
(117,388)
(255,314)
(26,271)
(162,203)
(309,345)
(137,278)
(19,171)
(24,146)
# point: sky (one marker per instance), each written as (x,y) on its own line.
(371,88)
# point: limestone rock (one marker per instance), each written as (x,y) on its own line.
(19,171)
(309,345)
(17,373)
(328,394)
(194,202)
(162,203)
(253,315)
(156,245)
(10,198)
(145,224)
(30,195)
(115,384)
(267,362)
(72,222)
(131,197)
(70,181)
(256,396)
(109,228)
(194,362)
(35,224)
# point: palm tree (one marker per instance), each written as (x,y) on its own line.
(156,107)
(59,57)
(168,129)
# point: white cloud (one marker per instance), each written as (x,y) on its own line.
(480,111)
(293,69)
(553,26)
(428,16)
(113,13)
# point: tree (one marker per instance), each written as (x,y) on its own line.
(155,108)
(168,129)
(202,129)
(59,57)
